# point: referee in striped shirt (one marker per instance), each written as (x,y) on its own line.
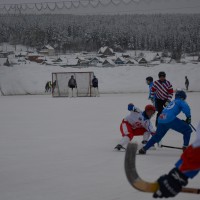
(161,93)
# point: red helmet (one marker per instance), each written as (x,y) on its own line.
(150,107)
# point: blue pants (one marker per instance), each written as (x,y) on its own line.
(177,125)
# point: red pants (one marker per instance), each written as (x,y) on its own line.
(191,159)
(127,130)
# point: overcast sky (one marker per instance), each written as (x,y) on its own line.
(123,6)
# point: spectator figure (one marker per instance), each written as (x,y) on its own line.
(149,81)
(95,86)
(53,86)
(72,87)
(161,93)
(186,83)
(48,86)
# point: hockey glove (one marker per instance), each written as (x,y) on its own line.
(167,103)
(170,185)
(152,100)
(188,120)
(131,107)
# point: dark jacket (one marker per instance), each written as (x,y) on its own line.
(72,83)
(94,82)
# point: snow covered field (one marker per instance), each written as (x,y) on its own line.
(62,148)
(31,78)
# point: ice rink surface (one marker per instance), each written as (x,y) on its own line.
(62,148)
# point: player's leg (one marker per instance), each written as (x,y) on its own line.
(127,135)
(160,133)
(70,92)
(183,128)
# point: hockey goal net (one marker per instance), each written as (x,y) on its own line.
(60,83)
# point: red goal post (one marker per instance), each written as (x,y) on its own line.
(60,83)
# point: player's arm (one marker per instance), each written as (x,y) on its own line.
(186,110)
(131,107)
(153,91)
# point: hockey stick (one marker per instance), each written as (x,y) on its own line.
(190,125)
(171,147)
(193,127)
(134,179)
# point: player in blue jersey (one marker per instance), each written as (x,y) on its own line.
(188,166)
(168,120)
(149,81)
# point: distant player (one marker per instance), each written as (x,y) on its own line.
(162,91)
(53,86)
(72,85)
(95,86)
(48,86)
(137,123)
(188,166)
(186,83)
(149,81)
(169,120)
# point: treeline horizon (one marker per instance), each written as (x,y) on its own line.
(175,33)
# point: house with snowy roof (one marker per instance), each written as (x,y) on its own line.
(131,62)
(96,60)
(157,57)
(108,63)
(106,51)
(47,50)
(142,61)
(120,61)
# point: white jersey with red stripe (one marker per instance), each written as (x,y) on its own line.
(138,119)
(162,90)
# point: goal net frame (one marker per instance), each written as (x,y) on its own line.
(60,84)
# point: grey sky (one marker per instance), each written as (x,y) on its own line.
(133,7)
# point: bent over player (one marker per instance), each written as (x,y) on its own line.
(137,123)
(168,120)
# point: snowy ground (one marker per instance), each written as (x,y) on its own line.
(62,148)
(31,78)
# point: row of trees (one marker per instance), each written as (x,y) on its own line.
(160,32)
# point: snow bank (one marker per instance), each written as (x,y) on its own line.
(31,78)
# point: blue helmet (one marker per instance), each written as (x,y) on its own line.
(180,94)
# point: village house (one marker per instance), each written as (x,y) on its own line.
(47,50)
(142,61)
(108,63)
(106,51)
(120,61)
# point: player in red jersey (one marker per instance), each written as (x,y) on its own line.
(186,167)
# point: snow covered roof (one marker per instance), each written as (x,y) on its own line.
(142,60)
(108,61)
(133,61)
(121,59)
(48,47)
(98,58)
(105,50)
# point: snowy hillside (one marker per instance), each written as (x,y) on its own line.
(31,78)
